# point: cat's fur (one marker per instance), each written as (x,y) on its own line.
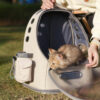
(66,55)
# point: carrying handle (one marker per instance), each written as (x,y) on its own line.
(58,6)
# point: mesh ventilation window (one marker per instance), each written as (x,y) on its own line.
(78,36)
(76,28)
(52,31)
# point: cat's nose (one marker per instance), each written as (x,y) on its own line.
(51,66)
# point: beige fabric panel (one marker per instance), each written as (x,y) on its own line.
(40,75)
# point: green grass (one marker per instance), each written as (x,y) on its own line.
(11,42)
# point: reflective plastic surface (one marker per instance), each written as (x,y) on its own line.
(84,84)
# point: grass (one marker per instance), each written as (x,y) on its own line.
(11,42)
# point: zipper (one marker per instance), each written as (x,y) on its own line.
(71,31)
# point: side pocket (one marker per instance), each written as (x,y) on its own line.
(22,67)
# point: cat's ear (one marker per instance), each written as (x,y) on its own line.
(51,50)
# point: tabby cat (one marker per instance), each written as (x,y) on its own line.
(66,55)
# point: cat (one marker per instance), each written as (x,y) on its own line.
(66,55)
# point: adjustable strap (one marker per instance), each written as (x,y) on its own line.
(24,55)
(84,20)
(12,71)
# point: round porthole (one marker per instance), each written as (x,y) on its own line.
(32,21)
(27,38)
(29,30)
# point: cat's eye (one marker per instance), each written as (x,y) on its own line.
(53,63)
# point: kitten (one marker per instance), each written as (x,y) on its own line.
(66,55)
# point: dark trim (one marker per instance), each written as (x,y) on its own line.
(53,91)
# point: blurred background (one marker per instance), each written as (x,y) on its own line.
(17,12)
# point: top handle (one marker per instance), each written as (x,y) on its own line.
(58,6)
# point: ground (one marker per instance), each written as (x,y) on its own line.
(11,42)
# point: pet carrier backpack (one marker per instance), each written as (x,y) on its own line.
(51,29)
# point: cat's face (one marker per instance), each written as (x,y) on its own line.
(56,59)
